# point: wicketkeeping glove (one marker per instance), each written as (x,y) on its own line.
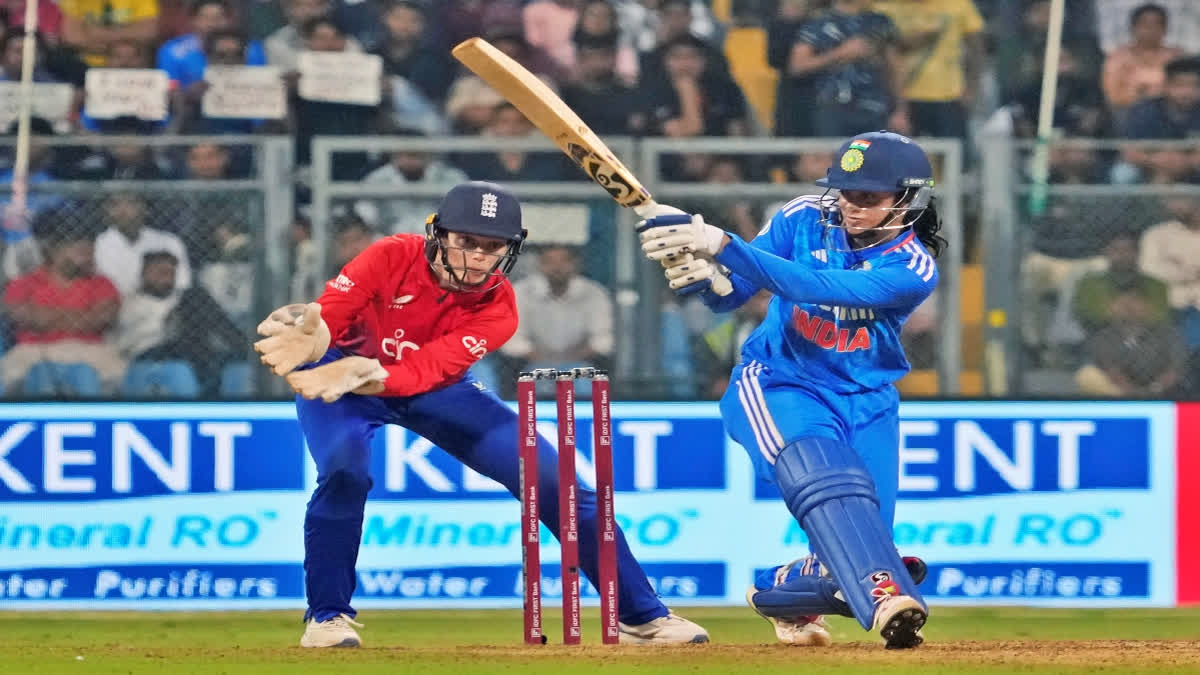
(293,335)
(334,380)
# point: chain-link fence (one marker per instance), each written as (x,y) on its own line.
(1108,298)
(139,267)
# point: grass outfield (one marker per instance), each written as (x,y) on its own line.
(1003,640)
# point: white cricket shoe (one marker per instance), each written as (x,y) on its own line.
(336,632)
(665,630)
(899,618)
(801,631)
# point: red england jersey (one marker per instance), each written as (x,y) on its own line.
(387,304)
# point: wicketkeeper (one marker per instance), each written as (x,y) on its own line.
(390,342)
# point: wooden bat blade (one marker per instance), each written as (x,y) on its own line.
(554,118)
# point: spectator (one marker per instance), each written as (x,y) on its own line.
(406,55)
(1137,71)
(49,24)
(1065,247)
(1120,293)
(221,48)
(229,277)
(13,45)
(351,236)
(407,168)
(694,100)
(941,44)
(161,323)
(551,302)
(722,345)
(509,37)
(61,310)
(127,238)
(1019,53)
(470,105)
(1170,252)
(42,169)
(130,54)
(735,215)
(308,280)
(127,160)
(597,95)
(314,118)
(549,25)
(457,20)
(1079,108)
(598,21)
(93,26)
(1183,32)
(674,26)
(644,19)
(794,95)
(283,47)
(508,165)
(1131,359)
(207,161)
(1174,115)
(184,57)
(852,55)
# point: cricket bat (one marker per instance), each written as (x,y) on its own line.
(560,124)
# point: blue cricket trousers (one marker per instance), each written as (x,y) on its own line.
(765,414)
(466,421)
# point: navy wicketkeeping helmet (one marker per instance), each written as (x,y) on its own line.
(482,209)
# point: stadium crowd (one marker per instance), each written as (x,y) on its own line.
(99,291)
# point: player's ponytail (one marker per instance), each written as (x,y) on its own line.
(926,223)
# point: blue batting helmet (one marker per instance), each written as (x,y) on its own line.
(880,161)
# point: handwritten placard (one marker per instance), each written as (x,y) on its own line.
(244,92)
(122,92)
(341,77)
(50,101)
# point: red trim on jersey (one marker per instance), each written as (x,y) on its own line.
(1187,515)
(901,243)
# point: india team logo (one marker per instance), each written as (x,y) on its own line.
(853,158)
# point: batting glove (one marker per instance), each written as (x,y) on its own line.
(334,380)
(668,237)
(294,335)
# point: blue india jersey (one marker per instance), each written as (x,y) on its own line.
(836,316)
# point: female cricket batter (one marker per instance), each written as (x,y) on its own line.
(407,318)
(812,401)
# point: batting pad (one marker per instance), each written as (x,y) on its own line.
(828,489)
(801,595)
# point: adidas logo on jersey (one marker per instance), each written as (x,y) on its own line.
(821,254)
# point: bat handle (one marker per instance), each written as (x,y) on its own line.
(646,210)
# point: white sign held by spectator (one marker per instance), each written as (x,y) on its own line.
(51,101)
(126,92)
(245,92)
(341,77)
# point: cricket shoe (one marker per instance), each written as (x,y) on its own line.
(665,630)
(899,618)
(801,631)
(336,632)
